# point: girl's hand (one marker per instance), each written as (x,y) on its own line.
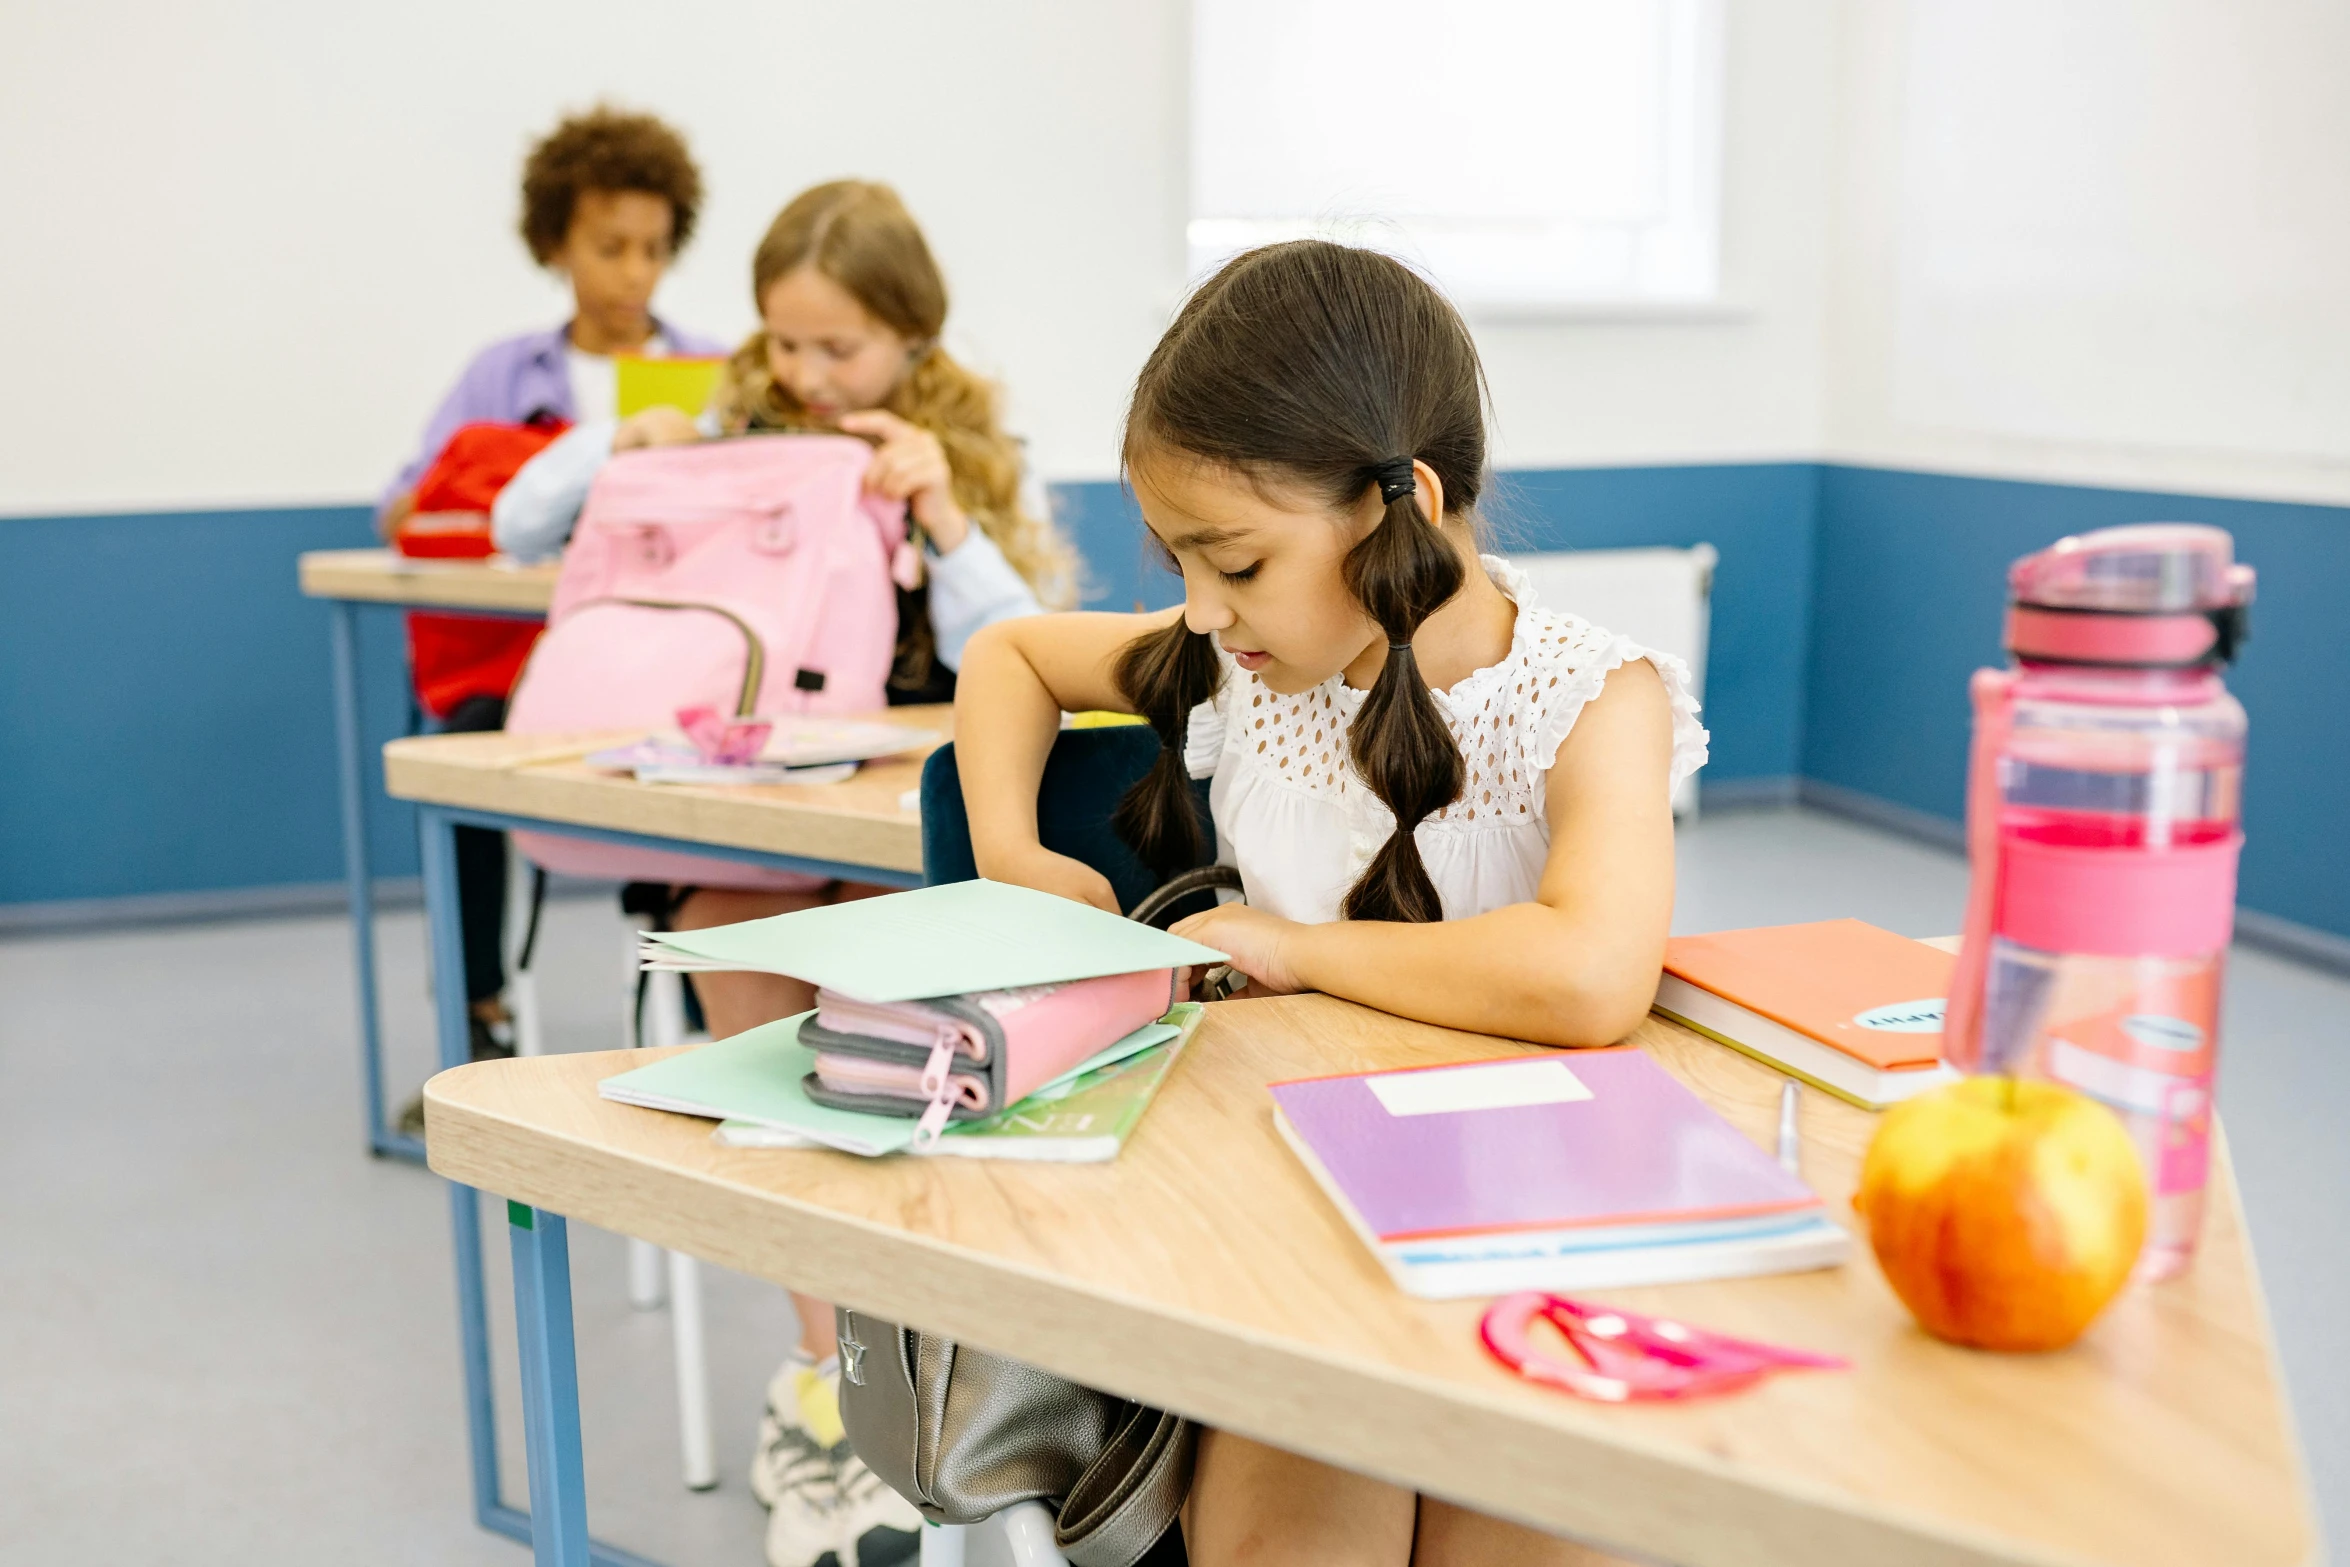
(909,465)
(1039,867)
(1262,946)
(402,508)
(658,426)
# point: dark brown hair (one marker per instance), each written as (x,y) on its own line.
(1315,365)
(605,149)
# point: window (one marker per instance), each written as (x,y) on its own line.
(1528,154)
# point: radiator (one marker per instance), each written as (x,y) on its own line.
(1660,598)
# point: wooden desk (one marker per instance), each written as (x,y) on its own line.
(382,576)
(857,830)
(1203,1271)
(858,823)
(349,580)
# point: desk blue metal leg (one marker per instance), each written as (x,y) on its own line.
(550,1386)
(445,943)
(547,1353)
(358,876)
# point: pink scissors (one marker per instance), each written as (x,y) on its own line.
(1627,1356)
(724,742)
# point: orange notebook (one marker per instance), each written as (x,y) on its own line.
(1846,1007)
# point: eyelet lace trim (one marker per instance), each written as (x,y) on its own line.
(1508,719)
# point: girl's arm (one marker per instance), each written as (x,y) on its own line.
(1018,677)
(1577,966)
(533,515)
(972,587)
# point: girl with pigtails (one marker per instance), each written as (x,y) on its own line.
(1444,800)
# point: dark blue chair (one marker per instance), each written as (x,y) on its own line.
(1087,772)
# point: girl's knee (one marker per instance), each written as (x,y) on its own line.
(1264,1507)
(1449,1536)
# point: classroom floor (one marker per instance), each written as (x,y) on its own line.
(230,1336)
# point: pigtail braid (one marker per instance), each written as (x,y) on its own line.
(1312,370)
(1403,571)
(1165,674)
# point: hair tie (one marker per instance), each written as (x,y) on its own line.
(1399,647)
(1396,479)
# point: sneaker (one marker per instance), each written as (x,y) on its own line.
(826,1508)
(803,1521)
(878,1527)
(800,1424)
(487,1039)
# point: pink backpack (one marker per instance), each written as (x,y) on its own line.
(753,575)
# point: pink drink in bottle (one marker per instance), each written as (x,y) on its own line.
(2102,805)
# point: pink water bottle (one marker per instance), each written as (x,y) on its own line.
(2102,805)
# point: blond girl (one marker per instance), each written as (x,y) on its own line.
(851,305)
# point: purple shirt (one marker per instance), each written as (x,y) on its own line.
(510,381)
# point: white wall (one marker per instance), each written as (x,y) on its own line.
(2104,241)
(2100,242)
(250,243)
(1742,382)
(253,242)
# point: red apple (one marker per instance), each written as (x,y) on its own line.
(2005,1214)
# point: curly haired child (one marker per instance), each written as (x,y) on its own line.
(608,199)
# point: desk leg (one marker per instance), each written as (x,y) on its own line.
(359,877)
(438,849)
(537,1303)
(550,1386)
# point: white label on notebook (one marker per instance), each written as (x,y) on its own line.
(1904,1017)
(1487,1085)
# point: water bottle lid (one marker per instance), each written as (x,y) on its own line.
(2153,595)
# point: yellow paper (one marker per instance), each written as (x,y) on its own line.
(680,383)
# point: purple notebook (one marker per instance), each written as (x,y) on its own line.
(1589,1137)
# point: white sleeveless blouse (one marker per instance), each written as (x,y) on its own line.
(1297,820)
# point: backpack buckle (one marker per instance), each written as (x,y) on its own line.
(778,534)
(653,548)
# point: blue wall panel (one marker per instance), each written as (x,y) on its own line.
(1908,592)
(1759,516)
(1121,571)
(166,716)
(165,722)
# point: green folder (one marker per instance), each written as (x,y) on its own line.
(756,1078)
(946,940)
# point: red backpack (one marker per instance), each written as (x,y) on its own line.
(454,657)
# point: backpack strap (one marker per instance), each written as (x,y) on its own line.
(1130,1495)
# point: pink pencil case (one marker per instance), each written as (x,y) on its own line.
(962,1057)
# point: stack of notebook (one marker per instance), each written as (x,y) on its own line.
(1843,1005)
(960,1009)
(1588,1170)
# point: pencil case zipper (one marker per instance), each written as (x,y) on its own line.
(934,1085)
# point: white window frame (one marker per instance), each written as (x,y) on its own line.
(1504,268)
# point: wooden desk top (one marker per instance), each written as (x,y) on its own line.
(1204,1272)
(857,822)
(385,576)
